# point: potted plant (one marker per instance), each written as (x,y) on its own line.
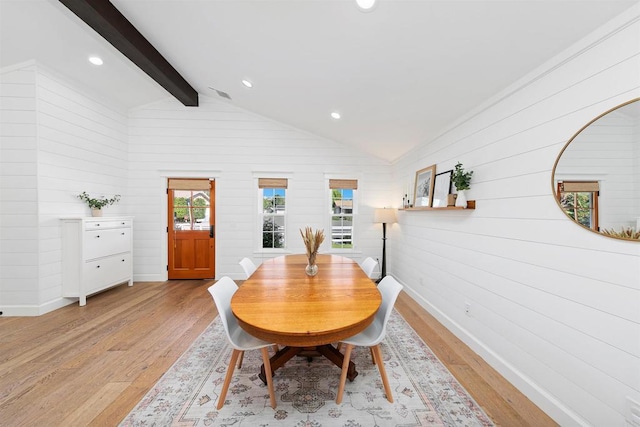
(96,205)
(462,181)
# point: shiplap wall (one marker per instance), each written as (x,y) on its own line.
(18,188)
(234,147)
(553,307)
(59,142)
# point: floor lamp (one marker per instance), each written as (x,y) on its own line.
(384,216)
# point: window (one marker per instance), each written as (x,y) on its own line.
(579,200)
(342,211)
(191,203)
(273,194)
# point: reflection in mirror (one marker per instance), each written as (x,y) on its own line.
(596,178)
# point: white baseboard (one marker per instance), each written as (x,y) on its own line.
(34,310)
(544,400)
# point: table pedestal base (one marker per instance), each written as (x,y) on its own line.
(330,352)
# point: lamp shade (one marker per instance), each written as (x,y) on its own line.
(385,215)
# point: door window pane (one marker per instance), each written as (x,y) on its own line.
(191,210)
(580,206)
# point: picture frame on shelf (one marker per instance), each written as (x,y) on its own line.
(441,189)
(423,188)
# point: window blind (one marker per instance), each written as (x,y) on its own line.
(272,182)
(580,186)
(188,184)
(351,184)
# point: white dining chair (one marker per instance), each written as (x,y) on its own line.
(222,291)
(373,335)
(248,266)
(368,265)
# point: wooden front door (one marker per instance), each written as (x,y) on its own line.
(191,229)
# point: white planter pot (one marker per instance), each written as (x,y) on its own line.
(461,200)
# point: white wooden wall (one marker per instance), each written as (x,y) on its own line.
(56,143)
(18,189)
(234,147)
(553,307)
(78,144)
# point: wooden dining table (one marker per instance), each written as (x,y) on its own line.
(279,303)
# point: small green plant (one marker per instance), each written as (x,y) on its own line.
(97,203)
(460,178)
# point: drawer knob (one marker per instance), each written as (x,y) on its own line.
(97,266)
(98,236)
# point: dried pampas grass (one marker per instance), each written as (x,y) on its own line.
(312,241)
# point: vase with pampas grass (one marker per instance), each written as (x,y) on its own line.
(312,241)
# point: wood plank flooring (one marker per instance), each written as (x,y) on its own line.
(82,366)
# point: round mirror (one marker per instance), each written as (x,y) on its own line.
(596,177)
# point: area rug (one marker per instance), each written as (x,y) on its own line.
(424,391)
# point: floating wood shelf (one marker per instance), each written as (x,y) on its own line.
(471,204)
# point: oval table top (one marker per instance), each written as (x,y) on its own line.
(279,303)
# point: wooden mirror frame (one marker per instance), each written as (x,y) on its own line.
(554,184)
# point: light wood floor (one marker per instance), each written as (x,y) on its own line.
(91,365)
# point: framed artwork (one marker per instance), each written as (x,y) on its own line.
(441,189)
(423,191)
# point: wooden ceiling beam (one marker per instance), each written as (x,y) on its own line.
(113,26)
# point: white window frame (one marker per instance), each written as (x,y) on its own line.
(354,213)
(260,214)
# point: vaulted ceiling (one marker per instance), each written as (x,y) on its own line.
(398,75)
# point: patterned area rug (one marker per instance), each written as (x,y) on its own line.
(424,392)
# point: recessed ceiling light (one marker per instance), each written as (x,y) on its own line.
(335,115)
(247,83)
(366,5)
(96,60)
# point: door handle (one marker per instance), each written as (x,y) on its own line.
(211,233)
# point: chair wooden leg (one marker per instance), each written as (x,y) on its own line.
(373,356)
(275,348)
(240,359)
(227,378)
(343,375)
(267,373)
(339,346)
(383,372)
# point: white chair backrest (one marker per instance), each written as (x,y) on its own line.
(368,265)
(248,266)
(389,289)
(222,291)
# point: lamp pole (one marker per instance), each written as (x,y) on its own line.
(384,252)
(384,216)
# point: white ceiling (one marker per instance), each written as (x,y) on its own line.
(398,75)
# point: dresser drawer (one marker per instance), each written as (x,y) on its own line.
(107,223)
(105,272)
(101,243)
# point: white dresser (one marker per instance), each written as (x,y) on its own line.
(96,255)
